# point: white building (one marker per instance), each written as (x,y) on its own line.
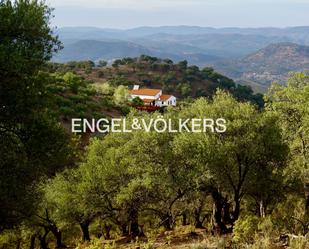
(152,97)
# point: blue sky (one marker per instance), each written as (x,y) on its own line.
(215,13)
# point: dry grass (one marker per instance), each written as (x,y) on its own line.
(190,238)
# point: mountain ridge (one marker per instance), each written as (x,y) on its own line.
(272,63)
(225,49)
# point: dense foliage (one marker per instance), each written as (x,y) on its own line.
(32,142)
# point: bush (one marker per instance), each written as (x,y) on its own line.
(97,244)
(137,101)
(104,88)
(267,227)
(245,229)
(286,215)
(299,242)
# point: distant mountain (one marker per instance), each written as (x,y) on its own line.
(254,56)
(96,50)
(202,46)
(115,49)
(297,33)
(272,63)
(220,45)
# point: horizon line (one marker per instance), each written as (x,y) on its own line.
(188,26)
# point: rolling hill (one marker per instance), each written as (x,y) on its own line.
(251,56)
(95,50)
(116,49)
(179,79)
(272,63)
(201,46)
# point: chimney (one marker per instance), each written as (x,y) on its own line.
(135,87)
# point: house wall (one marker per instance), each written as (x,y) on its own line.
(169,102)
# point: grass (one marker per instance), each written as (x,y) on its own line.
(189,238)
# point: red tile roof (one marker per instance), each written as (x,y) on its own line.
(164,97)
(145,91)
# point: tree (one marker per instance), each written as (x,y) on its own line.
(291,103)
(252,143)
(32,142)
(116,63)
(185,89)
(168,61)
(242,93)
(139,174)
(182,65)
(74,81)
(102,63)
(108,169)
(137,101)
(27,42)
(68,194)
(121,95)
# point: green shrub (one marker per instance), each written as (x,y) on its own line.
(299,242)
(97,244)
(104,88)
(245,229)
(8,239)
(267,227)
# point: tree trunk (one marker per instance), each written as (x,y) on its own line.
(32,241)
(237,208)
(43,243)
(18,242)
(306,186)
(134,230)
(198,222)
(58,236)
(184,219)
(306,213)
(167,221)
(107,232)
(227,212)
(262,209)
(85,231)
(219,226)
(124,230)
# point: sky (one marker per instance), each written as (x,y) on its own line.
(124,14)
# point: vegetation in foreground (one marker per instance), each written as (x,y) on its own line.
(245,188)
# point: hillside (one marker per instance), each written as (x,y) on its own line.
(222,45)
(95,50)
(250,56)
(200,46)
(200,50)
(110,50)
(179,79)
(297,34)
(272,63)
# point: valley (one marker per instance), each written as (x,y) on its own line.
(249,56)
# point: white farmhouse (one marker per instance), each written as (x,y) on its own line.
(152,97)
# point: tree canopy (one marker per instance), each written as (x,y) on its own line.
(27,130)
